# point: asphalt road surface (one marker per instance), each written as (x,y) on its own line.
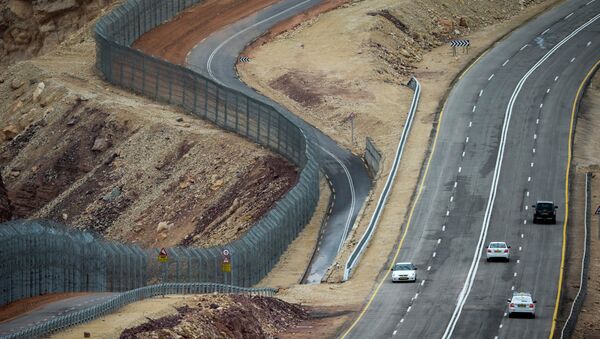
(502,144)
(52,310)
(216,57)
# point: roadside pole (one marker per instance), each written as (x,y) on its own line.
(226,267)
(163,259)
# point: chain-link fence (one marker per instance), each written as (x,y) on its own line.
(42,257)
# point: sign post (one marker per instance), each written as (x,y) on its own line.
(163,259)
(226,265)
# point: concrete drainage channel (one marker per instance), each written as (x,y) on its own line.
(364,240)
(109,306)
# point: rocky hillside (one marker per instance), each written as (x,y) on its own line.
(32,27)
(79,151)
(223,316)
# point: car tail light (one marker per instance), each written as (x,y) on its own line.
(531,305)
(506,251)
(489,251)
(512,305)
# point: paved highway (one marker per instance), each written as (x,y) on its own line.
(52,310)
(216,57)
(502,144)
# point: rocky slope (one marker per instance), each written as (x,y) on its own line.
(223,316)
(76,150)
(29,28)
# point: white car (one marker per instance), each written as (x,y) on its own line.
(521,303)
(404,271)
(497,250)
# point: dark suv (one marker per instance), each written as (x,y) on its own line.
(544,211)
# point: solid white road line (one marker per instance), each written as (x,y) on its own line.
(226,41)
(479,247)
(352,197)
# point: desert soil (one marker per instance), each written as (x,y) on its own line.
(368,82)
(78,151)
(586,158)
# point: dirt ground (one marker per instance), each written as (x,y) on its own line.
(194,25)
(76,150)
(23,306)
(586,158)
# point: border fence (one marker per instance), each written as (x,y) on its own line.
(47,257)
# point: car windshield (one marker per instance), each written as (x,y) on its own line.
(497,245)
(521,299)
(545,206)
(403,267)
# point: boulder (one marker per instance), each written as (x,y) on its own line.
(38,91)
(21,8)
(10,132)
(100,145)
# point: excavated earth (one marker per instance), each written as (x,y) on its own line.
(76,150)
(223,316)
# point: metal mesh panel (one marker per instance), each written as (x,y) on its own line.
(256,252)
(44,257)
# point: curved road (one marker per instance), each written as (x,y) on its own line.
(216,57)
(503,144)
(52,310)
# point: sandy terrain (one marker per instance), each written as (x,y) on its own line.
(586,157)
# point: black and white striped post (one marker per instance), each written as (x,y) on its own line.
(460,43)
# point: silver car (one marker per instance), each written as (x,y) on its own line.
(521,303)
(497,250)
(404,271)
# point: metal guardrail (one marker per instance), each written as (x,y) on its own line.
(75,318)
(366,237)
(571,322)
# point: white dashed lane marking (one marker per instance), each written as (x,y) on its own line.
(422,282)
(447,213)
(402,320)
(589,2)
(433,254)
(512,288)
(548,91)
(439,241)
(455,184)
(520,248)
(470,123)
(408,310)
(459,169)
(518,261)
(541,105)
(528,191)
(526,207)
(588,44)
(556,78)
(568,16)
(531,164)
(451,198)
(480,92)
(500,326)
(524,46)
(528,179)
(429,268)
(546,31)
(504,64)
(534,136)
(467,140)
(537,121)
(474,108)
(522,236)
(443,228)
(525,222)
(491,76)
(395,331)
(534,150)
(573,59)
(463,154)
